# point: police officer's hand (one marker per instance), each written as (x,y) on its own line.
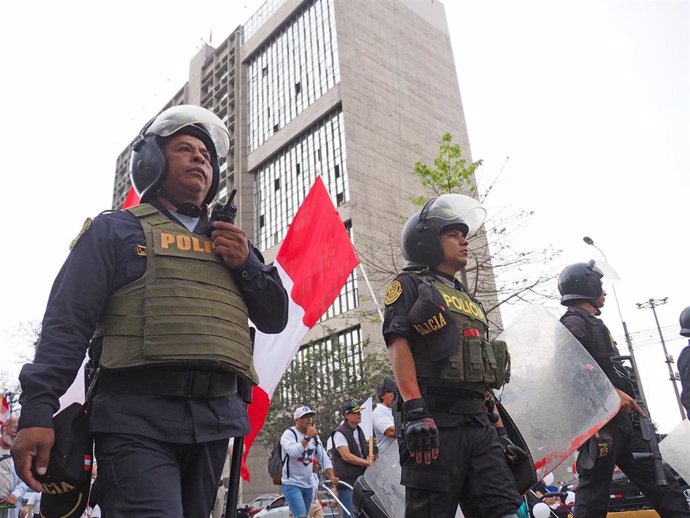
(230,243)
(420,431)
(31,452)
(628,404)
(512,452)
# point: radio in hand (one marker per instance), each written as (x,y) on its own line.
(224,212)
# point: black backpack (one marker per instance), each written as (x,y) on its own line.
(276,461)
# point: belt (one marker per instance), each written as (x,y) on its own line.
(454,401)
(158,382)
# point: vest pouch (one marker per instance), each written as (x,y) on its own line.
(453,367)
(490,366)
(499,349)
(474,359)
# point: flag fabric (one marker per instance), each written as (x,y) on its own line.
(4,409)
(314,262)
(367,423)
(131,199)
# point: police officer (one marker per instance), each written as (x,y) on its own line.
(582,292)
(684,360)
(163,311)
(444,364)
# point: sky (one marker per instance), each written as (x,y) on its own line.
(589,100)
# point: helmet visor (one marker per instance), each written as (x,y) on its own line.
(452,206)
(175,118)
(605,270)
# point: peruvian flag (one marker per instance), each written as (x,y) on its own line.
(131,199)
(4,409)
(314,262)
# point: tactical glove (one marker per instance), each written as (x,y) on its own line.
(420,431)
(512,451)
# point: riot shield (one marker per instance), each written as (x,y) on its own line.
(675,451)
(557,395)
(383,477)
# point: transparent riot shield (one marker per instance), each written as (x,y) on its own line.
(557,396)
(675,449)
(383,477)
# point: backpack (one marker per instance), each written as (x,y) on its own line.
(276,461)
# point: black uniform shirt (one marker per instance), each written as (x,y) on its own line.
(104,259)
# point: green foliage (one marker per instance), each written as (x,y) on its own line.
(450,174)
(306,383)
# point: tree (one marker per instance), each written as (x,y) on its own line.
(497,272)
(322,378)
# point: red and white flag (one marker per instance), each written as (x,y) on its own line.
(131,199)
(4,409)
(314,262)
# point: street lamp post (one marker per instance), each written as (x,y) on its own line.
(653,303)
(628,340)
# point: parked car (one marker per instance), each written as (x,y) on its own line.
(256,505)
(278,508)
(624,495)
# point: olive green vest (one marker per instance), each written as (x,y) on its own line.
(477,364)
(185,310)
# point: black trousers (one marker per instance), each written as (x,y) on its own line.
(147,478)
(471,470)
(593,493)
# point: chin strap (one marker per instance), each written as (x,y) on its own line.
(186,208)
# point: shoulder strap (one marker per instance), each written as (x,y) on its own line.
(286,460)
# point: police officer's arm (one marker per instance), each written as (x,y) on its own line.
(76,301)
(262,290)
(418,426)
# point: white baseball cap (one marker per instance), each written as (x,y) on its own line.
(302,411)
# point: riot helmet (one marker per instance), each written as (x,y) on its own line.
(580,282)
(421,234)
(147,164)
(685,322)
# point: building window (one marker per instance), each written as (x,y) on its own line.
(283,182)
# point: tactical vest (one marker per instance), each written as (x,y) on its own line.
(344,470)
(478,363)
(186,310)
(602,347)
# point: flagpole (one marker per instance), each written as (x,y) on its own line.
(373,296)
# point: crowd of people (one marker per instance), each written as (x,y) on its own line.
(160,295)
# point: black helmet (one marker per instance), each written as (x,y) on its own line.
(421,235)
(147,167)
(580,282)
(685,322)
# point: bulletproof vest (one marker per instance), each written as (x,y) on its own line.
(344,470)
(186,310)
(476,364)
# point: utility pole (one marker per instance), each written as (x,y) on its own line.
(653,303)
(628,340)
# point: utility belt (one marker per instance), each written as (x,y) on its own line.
(453,401)
(159,382)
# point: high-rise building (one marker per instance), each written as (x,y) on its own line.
(356,91)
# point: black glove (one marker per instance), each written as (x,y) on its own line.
(511,450)
(420,431)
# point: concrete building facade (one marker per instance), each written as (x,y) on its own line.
(356,91)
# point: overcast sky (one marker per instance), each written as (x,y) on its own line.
(590,100)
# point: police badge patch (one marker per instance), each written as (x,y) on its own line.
(84,228)
(393,293)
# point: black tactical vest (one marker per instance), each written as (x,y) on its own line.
(477,364)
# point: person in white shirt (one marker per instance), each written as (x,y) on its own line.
(382,416)
(12,489)
(302,446)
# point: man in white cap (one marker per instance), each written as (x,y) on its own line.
(302,448)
